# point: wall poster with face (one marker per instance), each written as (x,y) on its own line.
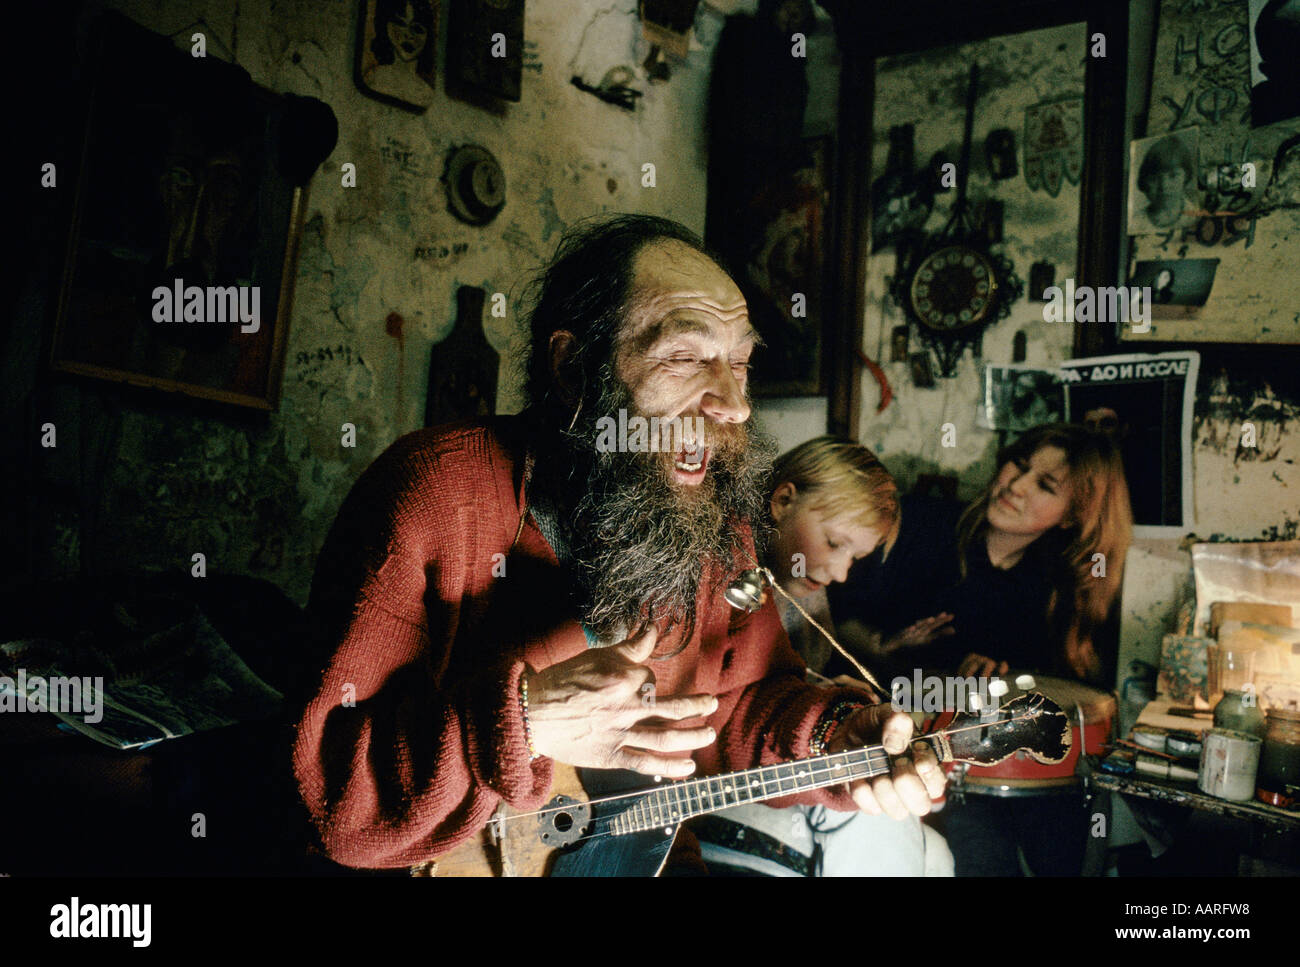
(182,256)
(1162,182)
(396,51)
(1145,403)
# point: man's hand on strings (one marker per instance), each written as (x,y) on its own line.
(915,778)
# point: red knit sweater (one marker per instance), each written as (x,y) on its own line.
(416,733)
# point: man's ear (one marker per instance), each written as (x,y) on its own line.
(563,349)
(783,498)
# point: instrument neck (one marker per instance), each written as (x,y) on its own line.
(676,802)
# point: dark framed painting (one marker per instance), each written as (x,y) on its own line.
(779,243)
(182,252)
(397,45)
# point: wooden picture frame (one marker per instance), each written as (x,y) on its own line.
(868,32)
(178,183)
(785,275)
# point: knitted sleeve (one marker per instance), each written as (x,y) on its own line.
(396,760)
(767,712)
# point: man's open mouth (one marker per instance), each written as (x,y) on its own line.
(692,459)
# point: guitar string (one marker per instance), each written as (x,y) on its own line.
(874,752)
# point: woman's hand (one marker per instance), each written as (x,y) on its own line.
(980,666)
(920,633)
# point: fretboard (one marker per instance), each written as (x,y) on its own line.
(674,802)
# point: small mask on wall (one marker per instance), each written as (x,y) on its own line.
(1000,152)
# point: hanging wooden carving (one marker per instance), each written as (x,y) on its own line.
(463,368)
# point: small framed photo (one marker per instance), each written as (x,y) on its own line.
(397,44)
(1162,181)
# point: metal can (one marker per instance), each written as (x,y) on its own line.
(1229,762)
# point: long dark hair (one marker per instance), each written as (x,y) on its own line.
(1101,522)
(387,11)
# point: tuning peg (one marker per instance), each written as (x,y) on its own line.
(998,688)
(975,703)
(1025,682)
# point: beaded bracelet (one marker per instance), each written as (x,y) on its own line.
(523,704)
(828,723)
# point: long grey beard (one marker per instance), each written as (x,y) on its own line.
(642,543)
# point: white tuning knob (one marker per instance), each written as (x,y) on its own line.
(998,688)
(1025,682)
(975,703)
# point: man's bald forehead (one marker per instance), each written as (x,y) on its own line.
(668,273)
(669,262)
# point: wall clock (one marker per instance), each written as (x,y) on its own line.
(951,284)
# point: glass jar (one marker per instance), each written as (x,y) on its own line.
(1240,712)
(1279,761)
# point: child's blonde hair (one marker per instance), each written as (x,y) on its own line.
(839,477)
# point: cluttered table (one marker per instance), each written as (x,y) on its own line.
(1184,793)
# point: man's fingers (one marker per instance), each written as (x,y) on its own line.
(911,793)
(639,649)
(865,798)
(928,769)
(670,740)
(650,764)
(887,795)
(897,732)
(682,707)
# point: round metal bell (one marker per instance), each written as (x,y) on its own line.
(746,592)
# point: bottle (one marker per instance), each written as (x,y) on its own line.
(1239,711)
(1239,708)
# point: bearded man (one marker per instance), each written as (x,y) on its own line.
(498,597)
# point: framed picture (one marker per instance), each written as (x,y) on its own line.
(777,241)
(183,248)
(1162,174)
(1144,402)
(397,45)
(1044,99)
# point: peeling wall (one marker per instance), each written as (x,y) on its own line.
(256,496)
(1240,493)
